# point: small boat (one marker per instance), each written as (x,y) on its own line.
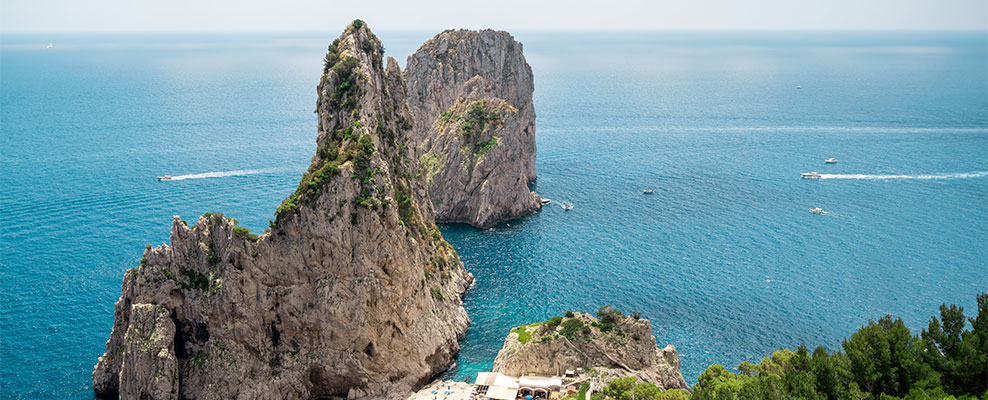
(810,175)
(830,160)
(567,206)
(546,201)
(817,210)
(165,178)
(50,45)
(648,191)
(798,87)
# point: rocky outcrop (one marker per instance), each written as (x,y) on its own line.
(614,345)
(471,96)
(352,292)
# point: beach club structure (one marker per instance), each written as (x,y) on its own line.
(497,386)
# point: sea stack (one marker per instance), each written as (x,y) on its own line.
(352,293)
(613,345)
(470,93)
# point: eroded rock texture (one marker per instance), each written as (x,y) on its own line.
(615,346)
(353,292)
(471,96)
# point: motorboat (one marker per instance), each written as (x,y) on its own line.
(50,45)
(817,210)
(165,178)
(810,175)
(648,191)
(567,206)
(546,201)
(798,87)
(830,160)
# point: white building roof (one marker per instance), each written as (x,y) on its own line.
(539,382)
(495,379)
(502,392)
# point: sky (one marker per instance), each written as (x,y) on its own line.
(314,15)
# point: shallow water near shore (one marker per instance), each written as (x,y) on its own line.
(724,258)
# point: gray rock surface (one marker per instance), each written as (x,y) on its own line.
(626,349)
(470,93)
(149,369)
(353,292)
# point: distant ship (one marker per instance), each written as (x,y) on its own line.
(830,160)
(798,87)
(817,210)
(811,175)
(648,191)
(165,178)
(545,201)
(567,206)
(50,45)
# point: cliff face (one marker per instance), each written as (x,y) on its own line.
(353,292)
(615,346)
(471,96)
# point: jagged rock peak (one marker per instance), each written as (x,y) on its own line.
(471,96)
(614,345)
(352,293)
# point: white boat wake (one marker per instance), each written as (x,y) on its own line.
(222,174)
(979,174)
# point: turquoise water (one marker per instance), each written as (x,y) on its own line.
(724,259)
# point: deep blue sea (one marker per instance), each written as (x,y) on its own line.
(724,259)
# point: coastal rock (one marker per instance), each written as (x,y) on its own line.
(614,345)
(149,369)
(474,131)
(352,293)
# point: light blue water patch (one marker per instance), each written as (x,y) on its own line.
(724,258)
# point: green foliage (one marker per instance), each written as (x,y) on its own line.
(553,322)
(357,24)
(481,148)
(569,314)
(476,118)
(608,317)
(628,388)
(437,293)
(886,358)
(332,56)
(882,360)
(242,232)
(347,90)
(405,210)
(524,335)
(571,327)
(959,355)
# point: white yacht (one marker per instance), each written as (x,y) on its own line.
(648,191)
(810,175)
(546,201)
(830,160)
(50,45)
(165,178)
(817,210)
(567,206)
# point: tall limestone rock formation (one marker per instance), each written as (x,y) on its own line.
(353,292)
(614,345)
(471,96)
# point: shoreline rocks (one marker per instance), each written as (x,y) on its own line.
(613,345)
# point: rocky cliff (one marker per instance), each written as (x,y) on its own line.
(474,126)
(614,345)
(352,293)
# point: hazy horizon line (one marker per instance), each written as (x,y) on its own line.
(809,30)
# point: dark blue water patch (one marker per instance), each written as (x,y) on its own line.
(724,258)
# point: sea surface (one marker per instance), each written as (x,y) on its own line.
(724,258)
